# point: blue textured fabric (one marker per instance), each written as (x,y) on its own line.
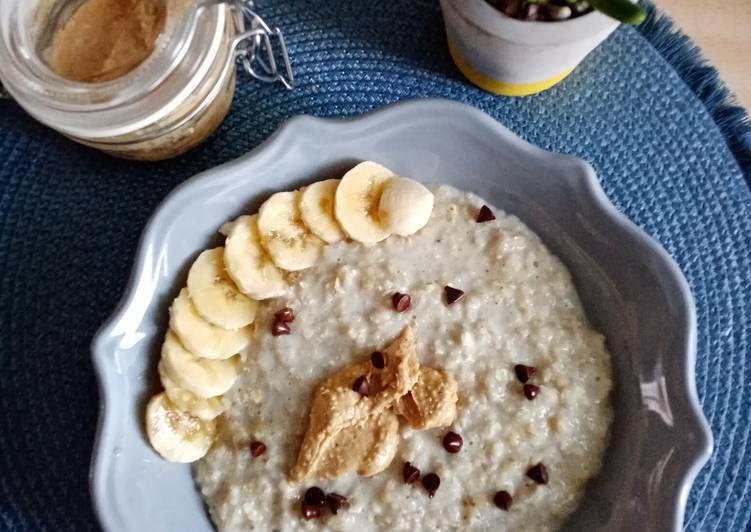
(70,219)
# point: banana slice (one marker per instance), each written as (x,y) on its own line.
(226,227)
(357,198)
(201,376)
(248,264)
(284,235)
(199,336)
(215,296)
(202,408)
(176,435)
(405,206)
(317,210)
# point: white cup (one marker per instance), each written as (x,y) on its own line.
(512,57)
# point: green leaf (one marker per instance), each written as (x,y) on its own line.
(622,10)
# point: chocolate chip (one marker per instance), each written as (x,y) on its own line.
(531,391)
(279,328)
(410,473)
(309,512)
(257,448)
(287,315)
(401,301)
(361,385)
(336,502)
(538,473)
(431,481)
(503,500)
(452,442)
(315,497)
(485,215)
(376,358)
(453,294)
(523,373)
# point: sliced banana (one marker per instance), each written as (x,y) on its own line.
(176,435)
(284,235)
(317,210)
(357,199)
(201,376)
(200,407)
(215,296)
(226,227)
(405,206)
(248,264)
(202,338)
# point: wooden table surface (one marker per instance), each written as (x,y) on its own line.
(722,29)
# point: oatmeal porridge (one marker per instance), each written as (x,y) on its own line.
(490,310)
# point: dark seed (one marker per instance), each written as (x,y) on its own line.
(257,448)
(531,391)
(523,373)
(279,328)
(315,497)
(401,301)
(431,481)
(309,512)
(503,500)
(287,315)
(361,385)
(538,473)
(411,473)
(485,214)
(336,502)
(376,358)
(452,442)
(453,294)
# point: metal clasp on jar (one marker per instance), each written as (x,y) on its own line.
(255,48)
(258,46)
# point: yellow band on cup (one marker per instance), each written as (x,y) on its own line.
(502,87)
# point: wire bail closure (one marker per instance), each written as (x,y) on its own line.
(259,48)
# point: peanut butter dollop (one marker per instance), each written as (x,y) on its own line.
(431,402)
(348,431)
(105,39)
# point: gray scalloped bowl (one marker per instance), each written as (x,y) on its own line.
(632,290)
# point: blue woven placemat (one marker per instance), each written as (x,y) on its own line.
(652,120)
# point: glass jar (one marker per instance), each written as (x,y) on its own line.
(169,103)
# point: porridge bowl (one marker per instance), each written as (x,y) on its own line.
(630,289)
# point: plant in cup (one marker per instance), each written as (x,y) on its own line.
(496,49)
(556,10)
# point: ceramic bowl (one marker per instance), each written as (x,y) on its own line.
(632,290)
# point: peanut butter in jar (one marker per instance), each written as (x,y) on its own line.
(105,39)
(139,79)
